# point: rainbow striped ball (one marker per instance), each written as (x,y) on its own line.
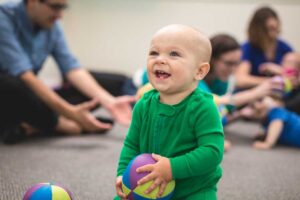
(47,191)
(131,177)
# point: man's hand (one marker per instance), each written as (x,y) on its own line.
(121,109)
(160,173)
(119,188)
(87,121)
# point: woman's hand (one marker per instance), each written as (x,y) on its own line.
(270,68)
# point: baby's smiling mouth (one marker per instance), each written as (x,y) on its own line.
(162,74)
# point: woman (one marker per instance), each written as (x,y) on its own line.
(220,81)
(263,51)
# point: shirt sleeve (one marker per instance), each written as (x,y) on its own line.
(210,140)
(277,113)
(245,52)
(286,47)
(61,53)
(131,144)
(13,58)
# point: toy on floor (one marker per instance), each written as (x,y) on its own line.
(131,177)
(47,191)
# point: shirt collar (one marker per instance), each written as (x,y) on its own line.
(170,110)
(24,20)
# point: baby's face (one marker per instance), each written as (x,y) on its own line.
(173,61)
(260,108)
(291,60)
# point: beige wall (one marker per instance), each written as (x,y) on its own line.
(114,35)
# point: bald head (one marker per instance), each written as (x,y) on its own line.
(291,59)
(197,41)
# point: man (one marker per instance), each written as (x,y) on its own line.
(29,32)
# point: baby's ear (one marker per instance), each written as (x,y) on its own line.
(202,71)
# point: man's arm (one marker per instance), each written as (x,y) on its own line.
(119,107)
(83,81)
(79,113)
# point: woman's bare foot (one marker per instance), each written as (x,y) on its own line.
(227,145)
(67,126)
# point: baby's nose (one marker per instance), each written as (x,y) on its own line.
(161,60)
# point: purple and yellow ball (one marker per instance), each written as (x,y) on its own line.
(47,191)
(131,177)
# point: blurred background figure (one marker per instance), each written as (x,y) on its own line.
(263,49)
(280,125)
(29,33)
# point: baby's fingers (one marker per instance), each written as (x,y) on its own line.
(145,179)
(162,188)
(154,185)
(145,168)
(121,194)
(119,188)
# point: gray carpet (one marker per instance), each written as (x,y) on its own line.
(87,164)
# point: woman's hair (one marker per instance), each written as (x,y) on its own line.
(221,44)
(257,30)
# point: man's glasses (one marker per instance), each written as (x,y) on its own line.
(56,7)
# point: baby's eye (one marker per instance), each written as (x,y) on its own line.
(153,53)
(174,53)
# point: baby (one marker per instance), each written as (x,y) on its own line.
(176,122)
(281,126)
(287,73)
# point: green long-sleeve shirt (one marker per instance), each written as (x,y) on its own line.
(190,134)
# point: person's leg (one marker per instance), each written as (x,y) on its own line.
(19,104)
(67,126)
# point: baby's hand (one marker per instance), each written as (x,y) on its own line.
(160,173)
(261,145)
(119,188)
